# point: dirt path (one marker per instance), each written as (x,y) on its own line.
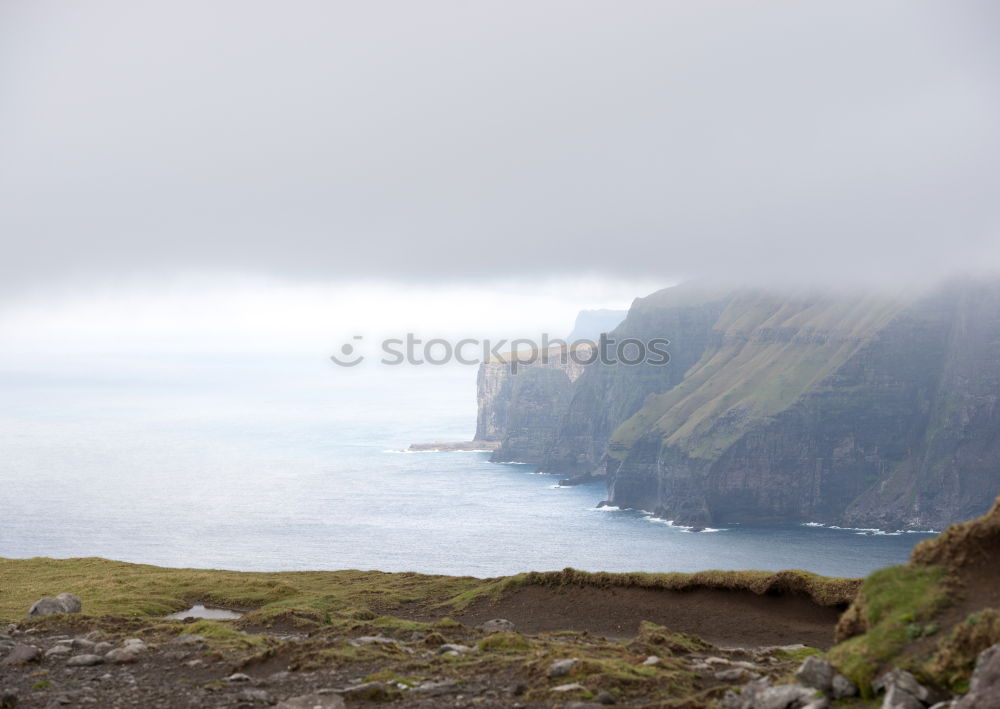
(727,618)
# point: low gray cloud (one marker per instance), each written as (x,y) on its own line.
(456,140)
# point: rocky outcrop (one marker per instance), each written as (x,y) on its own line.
(522,405)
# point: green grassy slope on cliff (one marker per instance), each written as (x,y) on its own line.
(772,351)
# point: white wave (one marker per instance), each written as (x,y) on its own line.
(605,508)
(703,530)
(813,524)
(691,529)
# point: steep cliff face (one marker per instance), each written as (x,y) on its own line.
(863,410)
(869,411)
(522,406)
(607,395)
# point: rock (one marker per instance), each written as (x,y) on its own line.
(560,668)
(58,651)
(497,625)
(312,701)
(86,660)
(374,640)
(651,660)
(984,686)
(949,704)
(842,687)
(63,603)
(736,674)
(897,698)
(238,677)
(572,687)
(784,696)
(21,654)
(101,648)
(8,699)
(605,697)
(434,687)
(134,641)
(368,691)
(255,696)
(122,655)
(454,648)
(816,673)
(82,644)
(902,680)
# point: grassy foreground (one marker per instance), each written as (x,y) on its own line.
(119,588)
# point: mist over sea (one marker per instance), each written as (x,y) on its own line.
(281,463)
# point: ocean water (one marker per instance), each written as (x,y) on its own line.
(284,463)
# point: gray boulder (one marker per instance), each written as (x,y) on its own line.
(63,603)
(21,654)
(759,694)
(903,682)
(122,655)
(984,687)
(816,673)
(87,660)
(785,696)
(842,687)
(896,698)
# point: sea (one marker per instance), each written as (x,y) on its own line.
(287,462)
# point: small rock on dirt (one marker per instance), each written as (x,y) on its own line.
(85,660)
(369,691)
(560,668)
(498,625)
(312,701)
(453,647)
(20,654)
(122,655)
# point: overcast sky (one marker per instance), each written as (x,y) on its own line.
(437,141)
